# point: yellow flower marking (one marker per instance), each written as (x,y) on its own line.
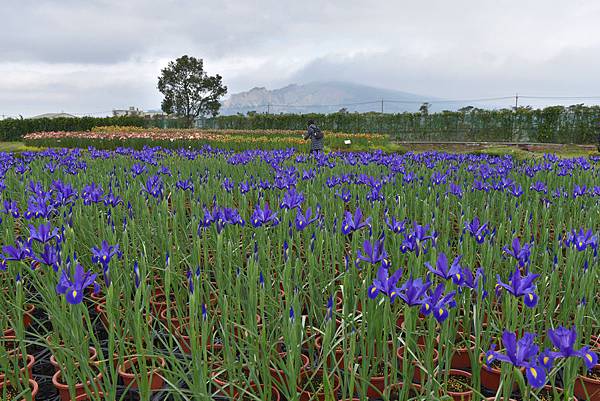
(533,372)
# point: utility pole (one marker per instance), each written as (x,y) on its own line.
(381,106)
(514,133)
(268,108)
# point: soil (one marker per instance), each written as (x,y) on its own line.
(312,383)
(594,374)
(10,393)
(395,394)
(381,369)
(496,365)
(546,395)
(458,384)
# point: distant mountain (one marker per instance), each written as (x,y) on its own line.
(322,97)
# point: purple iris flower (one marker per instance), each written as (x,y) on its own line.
(409,177)
(104,253)
(232,216)
(111,200)
(522,353)
(468,279)
(244,187)
(153,186)
(515,190)
(44,233)
(138,169)
(228,184)
(438,303)
(329,313)
(397,226)
(413,290)
(409,244)
(539,186)
(564,339)
(20,251)
(520,286)
(477,230)
(136,274)
(352,223)
(264,216)
(292,199)
(50,256)
(443,270)
(73,290)
(264,185)
(333,181)
(385,284)
(375,195)
(185,185)
(579,191)
(456,190)
(345,195)
(64,194)
(39,206)
(581,240)
(303,220)
(92,193)
(164,170)
(308,174)
(521,254)
(420,232)
(11,207)
(373,253)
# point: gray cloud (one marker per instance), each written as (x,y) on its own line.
(91,56)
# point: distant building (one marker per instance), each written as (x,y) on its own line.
(54,115)
(131,112)
(135,112)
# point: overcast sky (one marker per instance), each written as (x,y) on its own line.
(92,56)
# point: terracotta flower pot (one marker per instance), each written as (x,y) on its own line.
(28,315)
(240,332)
(559,391)
(33,386)
(184,340)
(279,376)
(377,384)
(252,395)
(159,302)
(92,358)
(28,366)
(308,395)
(587,386)
(63,388)
(461,395)
(418,377)
(490,377)
(461,359)
(175,322)
(338,354)
(155,379)
(11,344)
(84,397)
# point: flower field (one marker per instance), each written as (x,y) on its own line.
(179,274)
(112,137)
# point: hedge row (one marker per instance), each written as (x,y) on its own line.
(13,129)
(556,124)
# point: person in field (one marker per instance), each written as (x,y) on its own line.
(316,137)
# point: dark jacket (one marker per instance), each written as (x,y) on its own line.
(315,144)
